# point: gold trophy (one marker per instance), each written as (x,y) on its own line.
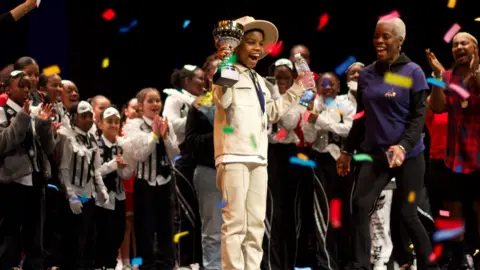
(227,33)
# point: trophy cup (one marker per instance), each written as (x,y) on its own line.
(229,33)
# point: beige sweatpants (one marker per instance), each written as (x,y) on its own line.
(244,189)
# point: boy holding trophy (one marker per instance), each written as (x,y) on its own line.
(244,110)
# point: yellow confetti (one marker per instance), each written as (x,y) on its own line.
(452,3)
(398,80)
(476,252)
(206,100)
(106,62)
(302,156)
(411,246)
(477,19)
(51,70)
(177,236)
(411,197)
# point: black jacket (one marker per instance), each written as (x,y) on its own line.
(199,138)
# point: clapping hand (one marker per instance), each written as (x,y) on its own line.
(160,126)
(436,66)
(45,112)
(120,163)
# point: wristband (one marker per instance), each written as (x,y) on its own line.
(403,149)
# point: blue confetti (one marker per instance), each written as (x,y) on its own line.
(221,204)
(186,23)
(82,199)
(343,66)
(137,261)
(443,235)
(53,186)
(133,23)
(175,159)
(126,29)
(301,162)
(458,168)
(438,83)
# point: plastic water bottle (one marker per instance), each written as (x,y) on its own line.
(301,65)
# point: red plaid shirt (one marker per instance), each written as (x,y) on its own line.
(463,136)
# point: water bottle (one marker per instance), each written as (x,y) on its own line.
(301,65)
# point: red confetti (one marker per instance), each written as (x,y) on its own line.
(446,224)
(275,49)
(306,115)
(109,14)
(336,213)
(323,21)
(282,133)
(359,115)
(437,251)
(392,15)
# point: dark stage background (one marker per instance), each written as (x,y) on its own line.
(72,34)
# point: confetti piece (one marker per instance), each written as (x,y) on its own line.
(109,14)
(411,246)
(137,261)
(362,157)
(392,15)
(323,21)
(476,252)
(477,19)
(444,213)
(221,204)
(443,235)
(436,82)
(105,62)
(458,169)
(344,66)
(452,3)
(175,159)
(177,236)
(253,141)
(186,23)
(51,70)
(228,130)
(53,186)
(274,49)
(301,162)
(281,134)
(398,80)
(451,32)
(358,115)
(126,29)
(82,199)
(447,224)
(336,213)
(302,156)
(437,251)
(411,197)
(459,90)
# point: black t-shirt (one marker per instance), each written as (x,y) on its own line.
(6,21)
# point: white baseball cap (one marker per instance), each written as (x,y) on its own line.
(110,111)
(84,107)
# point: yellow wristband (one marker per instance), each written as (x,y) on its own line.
(155,137)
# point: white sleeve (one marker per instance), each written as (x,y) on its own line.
(310,133)
(330,120)
(172,110)
(171,145)
(290,120)
(99,185)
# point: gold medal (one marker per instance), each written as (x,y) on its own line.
(464,104)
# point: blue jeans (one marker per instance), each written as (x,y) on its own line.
(209,197)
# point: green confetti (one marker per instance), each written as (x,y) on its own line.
(228,130)
(253,141)
(362,157)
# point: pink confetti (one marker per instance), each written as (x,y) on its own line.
(392,15)
(358,115)
(282,133)
(459,90)
(275,49)
(444,213)
(336,213)
(306,115)
(437,251)
(451,33)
